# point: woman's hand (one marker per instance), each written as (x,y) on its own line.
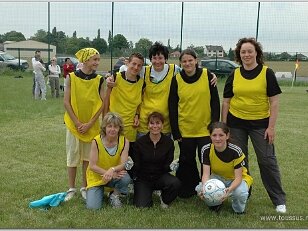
(214,80)
(110,81)
(120,174)
(108,176)
(270,135)
(227,192)
(136,121)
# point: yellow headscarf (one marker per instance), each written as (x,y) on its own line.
(85,54)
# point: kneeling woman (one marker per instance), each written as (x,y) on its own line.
(153,154)
(109,152)
(225,161)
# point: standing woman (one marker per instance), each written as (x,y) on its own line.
(250,109)
(54,74)
(193,105)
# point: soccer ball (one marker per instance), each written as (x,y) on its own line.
(214,190)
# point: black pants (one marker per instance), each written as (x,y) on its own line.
(143,190)
(188,172)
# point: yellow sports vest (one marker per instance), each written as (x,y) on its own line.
(86,102)
(155,98)
(250,100)
(125,98)
(194,108)
(226,170)
(105,161)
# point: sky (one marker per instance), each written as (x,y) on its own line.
(282,25)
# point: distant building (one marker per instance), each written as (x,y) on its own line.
(28,47)
(302,57)
(175,54)
(213,51)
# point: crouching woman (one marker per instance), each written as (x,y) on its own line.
(109,152)
(225,161)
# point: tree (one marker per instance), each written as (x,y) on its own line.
(40,36)
(100,45)
(74,34)
(231,54)
(14,36)
(143,45)
(120,42)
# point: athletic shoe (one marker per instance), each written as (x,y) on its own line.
(157,193)
(115,200)
(83,192)
(281,209)
(70,194)
(162,204)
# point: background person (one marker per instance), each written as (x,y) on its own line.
(40,85)
(193,105)
(250,109)
(68,67)
(83,103)
(109,152)
(124,66)
(54,75)
(153,154)
(225,161)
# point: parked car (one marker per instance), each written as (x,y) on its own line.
(61,61)
(7,60)
(220,67)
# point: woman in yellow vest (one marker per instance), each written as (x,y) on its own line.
(109,152)
(193,105)
(125,97)
(225,161)
(250,109)
(83,102)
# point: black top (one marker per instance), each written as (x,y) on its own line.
(272,90)
(152,161)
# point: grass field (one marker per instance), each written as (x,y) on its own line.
(33,164)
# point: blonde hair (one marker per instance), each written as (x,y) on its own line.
(112,118)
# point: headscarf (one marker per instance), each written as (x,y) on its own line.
(85,54)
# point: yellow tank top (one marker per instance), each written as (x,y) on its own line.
(86,102)
(250,100)
(155,98)
(194,106)
(105,161)
(125,98)
(226,170)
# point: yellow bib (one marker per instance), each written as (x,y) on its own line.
(155,98)
(194,106)
(86,102)
(125,98)
(250,100)
(105,161)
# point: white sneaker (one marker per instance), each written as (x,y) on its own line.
(83,192)
(281,209)
(115,200)
(70,194)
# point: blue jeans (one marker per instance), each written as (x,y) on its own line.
(95,195)
(238,196)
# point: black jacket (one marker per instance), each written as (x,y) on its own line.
(151,162)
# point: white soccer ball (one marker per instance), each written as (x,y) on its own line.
(214,190)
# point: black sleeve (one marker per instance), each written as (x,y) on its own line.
(136,158)
(173,109)
(170,156)
(215,103)
(228,89)
(272,83)
(206,157)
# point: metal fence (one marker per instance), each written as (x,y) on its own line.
(279,26)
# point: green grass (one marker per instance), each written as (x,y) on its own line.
(33,164)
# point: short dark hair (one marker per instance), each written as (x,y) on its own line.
(67,59)
(257,46)
(137,55)
(158,48)
(156,115)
